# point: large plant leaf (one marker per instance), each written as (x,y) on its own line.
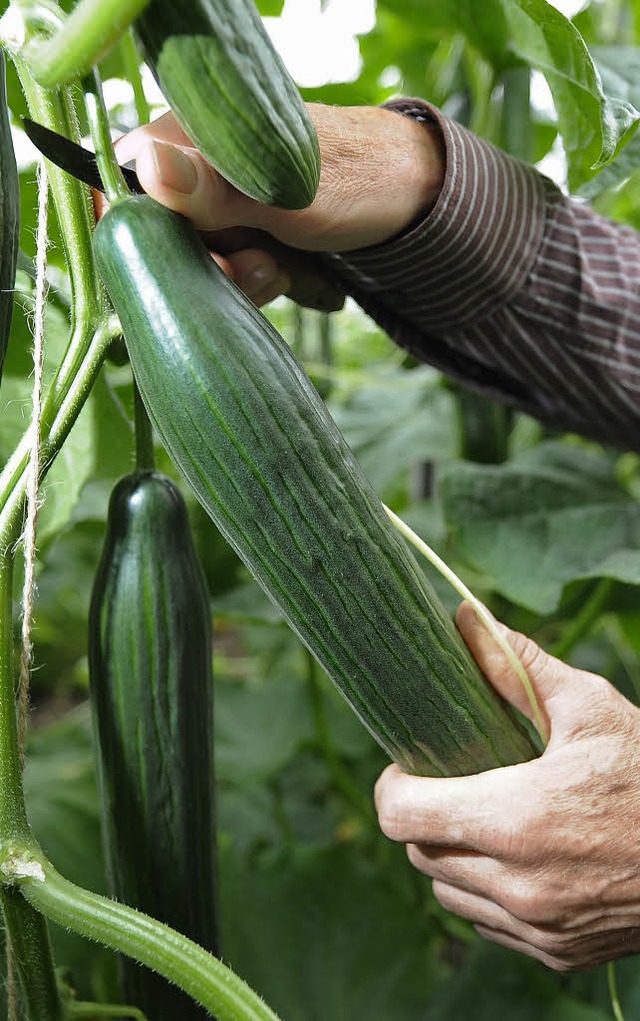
(546,518)
(322,936)
(502,984)
(395,419)
(619,67)
(594,126)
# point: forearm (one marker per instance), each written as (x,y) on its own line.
(511,287)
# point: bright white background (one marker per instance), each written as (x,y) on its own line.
(320,47)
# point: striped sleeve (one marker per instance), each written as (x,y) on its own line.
(514,289)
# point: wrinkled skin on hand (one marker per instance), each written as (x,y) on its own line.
(379,172)
(542,857)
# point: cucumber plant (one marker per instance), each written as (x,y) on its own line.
(244,428)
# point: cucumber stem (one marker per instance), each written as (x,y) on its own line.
(26,929)
(29,939)
(127,931)
(80,1009)
(145,454)
(131,61)
(114,183)
(613,992)
(481,612)
(83,39)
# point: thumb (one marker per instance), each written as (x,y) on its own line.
(178,176)
(557,686)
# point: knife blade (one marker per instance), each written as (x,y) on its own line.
(312,284)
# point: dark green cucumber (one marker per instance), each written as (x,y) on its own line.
(151,689)
(248,431)
(9,217)
(233,96)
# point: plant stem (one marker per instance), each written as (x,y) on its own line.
(13,815)
(33,962)
(79,1009)
(481,612)
(82,40)
(516,113)
(115,185)
(584,621)
(145,454)
(61,411)
(613,992)
(131,61)
(72,200)
(127,931)
(26,929)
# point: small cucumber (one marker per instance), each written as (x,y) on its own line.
(152,690)
(233,96)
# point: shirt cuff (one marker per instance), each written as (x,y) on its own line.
(473,251)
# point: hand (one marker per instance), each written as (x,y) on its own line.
(380,171)
(543,857)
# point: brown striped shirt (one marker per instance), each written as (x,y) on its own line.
(512,288)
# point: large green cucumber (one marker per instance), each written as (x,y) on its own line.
(151,691)
(9,217)
(246,428)
(233,96)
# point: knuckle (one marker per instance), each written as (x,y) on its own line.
(527,904)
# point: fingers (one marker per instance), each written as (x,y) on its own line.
(257,274)
(558,686)
(558,947)
(180,178)
(476,813)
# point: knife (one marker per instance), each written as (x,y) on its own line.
(312,284)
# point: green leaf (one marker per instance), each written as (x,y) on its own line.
(619,67)
(501,983)
(594,126)
(394,420)
(270,8)
(259,729)
(553,515)
(323,935)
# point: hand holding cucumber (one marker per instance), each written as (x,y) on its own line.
(380,171)
(542,857)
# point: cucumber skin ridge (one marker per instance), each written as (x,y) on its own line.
(234,97)
(247,430)
(150,666)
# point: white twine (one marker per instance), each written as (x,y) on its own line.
(33,505)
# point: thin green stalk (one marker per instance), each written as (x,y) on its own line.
(92,28)
(115,185)
(581,624)
(613,992)
(516,113)
(145,454)
(27,931)
(72,200)
(151,943)
(33,962)
(13,816)
(60,413)
(339,774)
(131,61)
(79,1009)
(481,612)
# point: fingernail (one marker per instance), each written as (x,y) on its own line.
(258,278)
(175,169)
